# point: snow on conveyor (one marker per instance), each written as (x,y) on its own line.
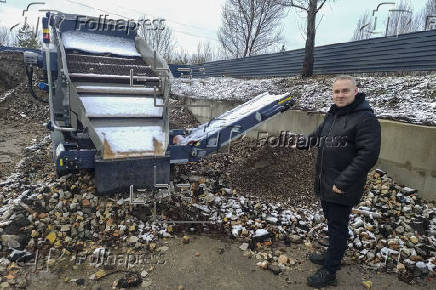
(121,107)
(132,139)
(231,117)
(99,44)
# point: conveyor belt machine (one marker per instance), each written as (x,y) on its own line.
(108,96)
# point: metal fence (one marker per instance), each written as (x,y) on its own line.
(18,49)
(408,52)
(176,69)
(414,51)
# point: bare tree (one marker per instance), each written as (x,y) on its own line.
(7,36)
(425,19)
(220,53)
(161,39)
(180,57)
(4,36)
(400,19)
(204,53)
(312,7)
(363,28)
(250,27)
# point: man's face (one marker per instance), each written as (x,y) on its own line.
(343,92)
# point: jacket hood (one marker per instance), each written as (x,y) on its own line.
(359,104)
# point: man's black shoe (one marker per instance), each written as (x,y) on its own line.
(317,258)
(322,278)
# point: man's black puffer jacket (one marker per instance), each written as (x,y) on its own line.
(349,145)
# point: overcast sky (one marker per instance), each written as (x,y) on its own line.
(199,20)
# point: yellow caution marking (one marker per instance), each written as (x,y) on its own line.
(284,100)
(61,162)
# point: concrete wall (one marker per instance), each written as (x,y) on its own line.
(408,152)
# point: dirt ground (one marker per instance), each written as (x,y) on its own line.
(219,265)
(13,140)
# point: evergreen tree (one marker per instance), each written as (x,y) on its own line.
(26,38)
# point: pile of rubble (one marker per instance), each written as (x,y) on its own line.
(12,70)
(276,174)
(42,215)
(17,105)
(391,229)
(394,229)
(16,102)
(180,116)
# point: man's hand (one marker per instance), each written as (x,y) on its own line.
(294,146)
(337,190)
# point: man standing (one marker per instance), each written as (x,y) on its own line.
(348,143)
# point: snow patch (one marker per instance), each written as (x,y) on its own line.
(405,98)
(122,107)
(131,139)
(98,43)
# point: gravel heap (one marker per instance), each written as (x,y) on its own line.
(181,117)
(12,72)
(276,174)
(394,229)
(17,105)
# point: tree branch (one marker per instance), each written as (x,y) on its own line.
(292,4)
(320,6)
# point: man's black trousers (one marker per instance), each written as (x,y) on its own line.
(337,217)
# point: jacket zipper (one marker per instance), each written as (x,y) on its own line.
(322,152)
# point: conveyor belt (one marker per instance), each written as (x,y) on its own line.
(230,125)
(122,121)
(81,63)
(109,88)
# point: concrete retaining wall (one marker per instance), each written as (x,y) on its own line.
(408,152)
